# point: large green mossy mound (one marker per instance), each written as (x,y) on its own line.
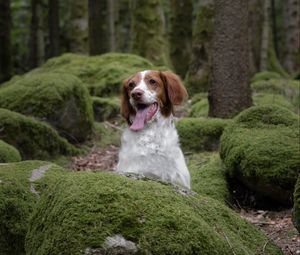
(261,149)
(275,99)
(208,176)
(81,213)
(200,134)
(60,99)
(34,139)
(8,153)
(265,76)
(20,185)
(103,74)
(296,209)
(105,108)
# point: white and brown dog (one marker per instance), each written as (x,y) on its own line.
(150,145)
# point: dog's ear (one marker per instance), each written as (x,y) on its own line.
(176,92)
(126,107)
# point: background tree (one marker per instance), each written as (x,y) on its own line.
(181,35)
(78,30)
(230,91)
(53,24)
(111,24)
(98,39)
(148,30)
(5,41)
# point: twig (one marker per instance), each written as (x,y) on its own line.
(114,126)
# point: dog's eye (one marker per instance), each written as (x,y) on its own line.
(131,85)
(152,82)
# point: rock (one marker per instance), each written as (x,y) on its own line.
(105,108)
(8,153)
(261,150)
(17,200)
(60,99)
(296,208)
(81,212)
(200,134)
(34,139)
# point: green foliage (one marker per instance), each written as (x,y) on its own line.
(106,135)
(34,139)
(200,134)
(267,99)
(261,149)
(8,153)
(86,208)
(296,209)
(17,201)
(208,176)
(105,108)
(265,76)
(199,109)
(59,99)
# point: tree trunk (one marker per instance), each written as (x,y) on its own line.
(148,31)
(5,41)
(230,91)
(53,23)
(111,24)
(265,37)
(181,35)
(291,17)
(78,32)
(36,42)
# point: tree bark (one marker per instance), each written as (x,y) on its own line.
(5,41)
(291,17)
(53,24)
(230,91)
(265,37)
(111,24)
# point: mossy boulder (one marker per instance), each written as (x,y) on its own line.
(265,76)
(105,108)
(200,134)
(296,209)
(8,153)
(60,99)
(99,213)
(267,99)
(199,109)
(102,74)
(261,150)
(208,176)
(20,186)
(34,139)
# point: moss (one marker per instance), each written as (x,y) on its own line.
(296,208)
(60,99)
(84,209)
(105,108)
(199,109)
(198,97)
(265,76)
(34,139)
(8,153)
(208,176)
(17,201)
(106,135)
(267,99)
(102,74)
(261,149)
(200,134)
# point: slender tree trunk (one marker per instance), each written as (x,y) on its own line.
(274,26)
(5,41)
(36,43)
(97,27)
(291,15)
(265,37)
(111,23)
(53,23)
(230,91)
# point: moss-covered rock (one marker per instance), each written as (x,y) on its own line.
(90,212)
(208,176)
(105,108)
(60,99)
(105,135)
(20,185)
(261,149)
(267,99)
(200,134)
(296,209)
(34,139)
(199,109)
(8,153)
(102,74)
(265,76)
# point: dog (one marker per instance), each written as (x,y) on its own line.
(150,145)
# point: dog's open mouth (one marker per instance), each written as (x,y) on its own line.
(144,113)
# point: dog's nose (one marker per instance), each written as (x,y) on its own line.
(137,94)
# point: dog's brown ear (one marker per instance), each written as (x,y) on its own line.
(126,108)
(175,89)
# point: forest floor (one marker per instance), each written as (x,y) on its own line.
(277,225)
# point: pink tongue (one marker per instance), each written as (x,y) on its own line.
(139,119)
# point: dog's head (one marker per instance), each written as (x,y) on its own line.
(148,93)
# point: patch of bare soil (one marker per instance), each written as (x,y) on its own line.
(278,227)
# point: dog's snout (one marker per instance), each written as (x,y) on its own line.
(137,94)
